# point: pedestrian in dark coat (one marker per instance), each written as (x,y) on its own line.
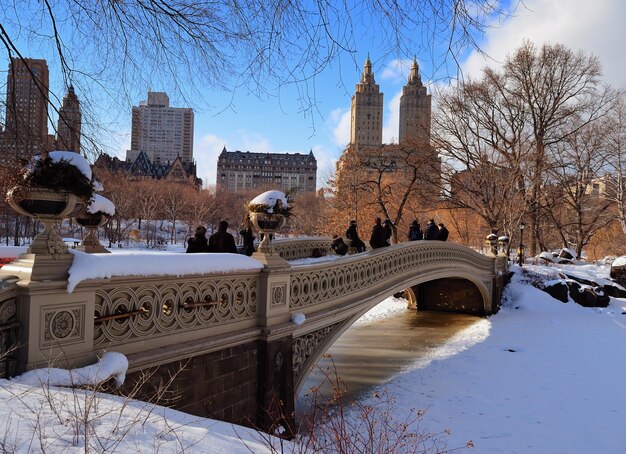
(415,231)
(339,246)
(432,231)
(388,230)
(222,241)
(198,243)
(248,237)
(379,236)
(443,232)
(353,235)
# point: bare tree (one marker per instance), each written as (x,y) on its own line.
(615,135)
(504,129)
(574,203)
(555,85)
(174,199)
(108,50)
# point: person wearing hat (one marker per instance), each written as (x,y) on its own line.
(198,243)
(339,246)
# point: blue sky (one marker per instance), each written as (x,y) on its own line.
(277,123)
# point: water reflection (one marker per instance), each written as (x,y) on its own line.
(368,355)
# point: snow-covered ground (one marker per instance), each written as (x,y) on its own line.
(540,376)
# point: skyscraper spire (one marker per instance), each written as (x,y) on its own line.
(367,110)
(414,75)
(70,122)
(415,109)
(368,75)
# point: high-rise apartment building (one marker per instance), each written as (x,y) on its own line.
(239,171)
(26,132)
(367,111)
(162,132)
(68,129)
(415,110)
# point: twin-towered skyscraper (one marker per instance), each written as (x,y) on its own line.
(366,128)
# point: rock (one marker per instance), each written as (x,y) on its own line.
(587,296)
(611,290)
(614,291)
(567,254)
(618,271)
(558,290)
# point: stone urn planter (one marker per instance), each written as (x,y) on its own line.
(92,222)
(48,206)
(268,213)
(267,224)
(98,212)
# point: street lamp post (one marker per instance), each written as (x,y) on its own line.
(520,249)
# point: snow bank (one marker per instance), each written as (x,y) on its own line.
(135,263)
(112,364)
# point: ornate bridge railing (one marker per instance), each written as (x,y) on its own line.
(127,314)
(325,282)
(300,248)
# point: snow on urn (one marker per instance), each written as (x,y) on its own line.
(268,213)
(52,188)
(98,213)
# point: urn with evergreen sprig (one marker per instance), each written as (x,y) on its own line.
(268,213)
(52,187)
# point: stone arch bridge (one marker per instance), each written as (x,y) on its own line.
(228,338)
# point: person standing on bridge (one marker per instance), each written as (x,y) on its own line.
(378,238)
(353,235)
(198,243)
(415,231)
(443,232)
(222,241)
(432,231)
(248,237)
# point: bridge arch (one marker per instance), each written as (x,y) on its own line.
(314,344)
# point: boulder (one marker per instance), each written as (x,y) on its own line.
(558,290)
(588,296)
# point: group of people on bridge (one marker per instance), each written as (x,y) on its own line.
(220,241)
(382,233)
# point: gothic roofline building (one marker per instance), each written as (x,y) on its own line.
(141,168)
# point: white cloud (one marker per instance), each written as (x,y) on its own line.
(396,71)
(391,128)
(253,142)
(595,27)
(326,163)
(339,124)
(206,152)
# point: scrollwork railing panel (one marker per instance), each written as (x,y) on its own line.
(311,284)
(301,248)
(171,306)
